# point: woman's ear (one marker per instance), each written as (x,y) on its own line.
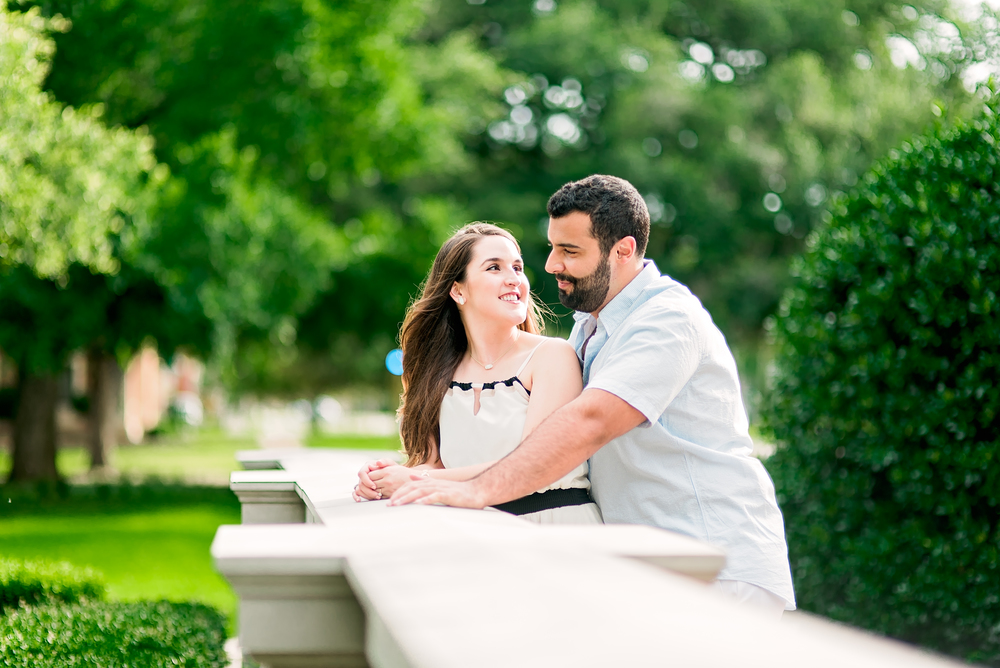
(456,294)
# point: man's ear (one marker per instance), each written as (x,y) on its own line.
(624,250)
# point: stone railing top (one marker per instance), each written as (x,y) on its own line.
(506,607)
(308,458)
(454,600)
(445,587)
(376,528)
(324,483)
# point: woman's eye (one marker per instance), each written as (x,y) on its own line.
(518,268)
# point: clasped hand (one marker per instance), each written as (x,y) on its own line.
(378,479)
(385,479)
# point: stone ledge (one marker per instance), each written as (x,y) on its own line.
(425,586)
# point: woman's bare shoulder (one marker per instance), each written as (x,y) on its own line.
(546,344)
(554,352)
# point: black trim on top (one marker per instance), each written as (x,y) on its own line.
(491,385)
(553,498)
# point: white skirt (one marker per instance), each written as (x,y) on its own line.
(587,513)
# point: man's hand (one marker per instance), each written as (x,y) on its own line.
(427,491)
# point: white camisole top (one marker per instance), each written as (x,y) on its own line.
(469,438)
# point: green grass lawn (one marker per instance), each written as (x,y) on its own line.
(150,540)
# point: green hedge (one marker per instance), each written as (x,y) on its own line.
(44,498)
(34,582)
(886,399)
(114,635)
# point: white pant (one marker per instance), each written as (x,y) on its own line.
(751,596)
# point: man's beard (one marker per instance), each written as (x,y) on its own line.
(590,291)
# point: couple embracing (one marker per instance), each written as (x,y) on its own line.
(637,419)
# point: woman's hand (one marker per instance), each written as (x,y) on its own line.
(367,489)
(388,479)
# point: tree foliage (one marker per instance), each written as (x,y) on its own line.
(398,121)
(885,399)
(192,258)
(284,119)
(737,122)
(66,181)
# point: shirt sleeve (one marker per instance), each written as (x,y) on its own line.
(650,361)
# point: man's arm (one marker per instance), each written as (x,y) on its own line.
(559,444)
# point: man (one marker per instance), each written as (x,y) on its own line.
(661,416)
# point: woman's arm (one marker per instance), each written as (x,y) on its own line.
(556,380)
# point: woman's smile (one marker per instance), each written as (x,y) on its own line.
(511,297)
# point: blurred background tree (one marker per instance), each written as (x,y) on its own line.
(736,121)
(68,187)
(188,260)
(65,180)
(320,99)
(388,124)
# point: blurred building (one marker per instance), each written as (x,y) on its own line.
(150,388)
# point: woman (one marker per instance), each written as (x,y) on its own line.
(478,377)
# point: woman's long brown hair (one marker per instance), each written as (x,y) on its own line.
(433,340)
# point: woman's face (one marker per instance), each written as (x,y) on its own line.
(495,287)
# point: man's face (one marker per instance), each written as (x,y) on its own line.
(582,271)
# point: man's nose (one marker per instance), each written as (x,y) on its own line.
(552,266)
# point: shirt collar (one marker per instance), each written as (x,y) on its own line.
(621,305)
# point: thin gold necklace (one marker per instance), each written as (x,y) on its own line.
(490,365)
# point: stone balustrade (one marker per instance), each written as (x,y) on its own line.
(325,581)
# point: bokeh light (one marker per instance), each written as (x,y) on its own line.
(394,362)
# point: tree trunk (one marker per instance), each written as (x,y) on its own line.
(35,429)
(104,380)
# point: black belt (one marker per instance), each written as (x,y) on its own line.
(553,498)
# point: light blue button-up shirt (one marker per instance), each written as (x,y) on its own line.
(688,468)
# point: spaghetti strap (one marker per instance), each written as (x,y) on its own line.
(528,358)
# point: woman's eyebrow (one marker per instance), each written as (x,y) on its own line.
(499,259)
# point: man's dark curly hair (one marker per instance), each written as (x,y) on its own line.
(615,207)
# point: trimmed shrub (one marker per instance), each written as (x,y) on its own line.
(29,499)
(886,398)
(114,635)
(34,582)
